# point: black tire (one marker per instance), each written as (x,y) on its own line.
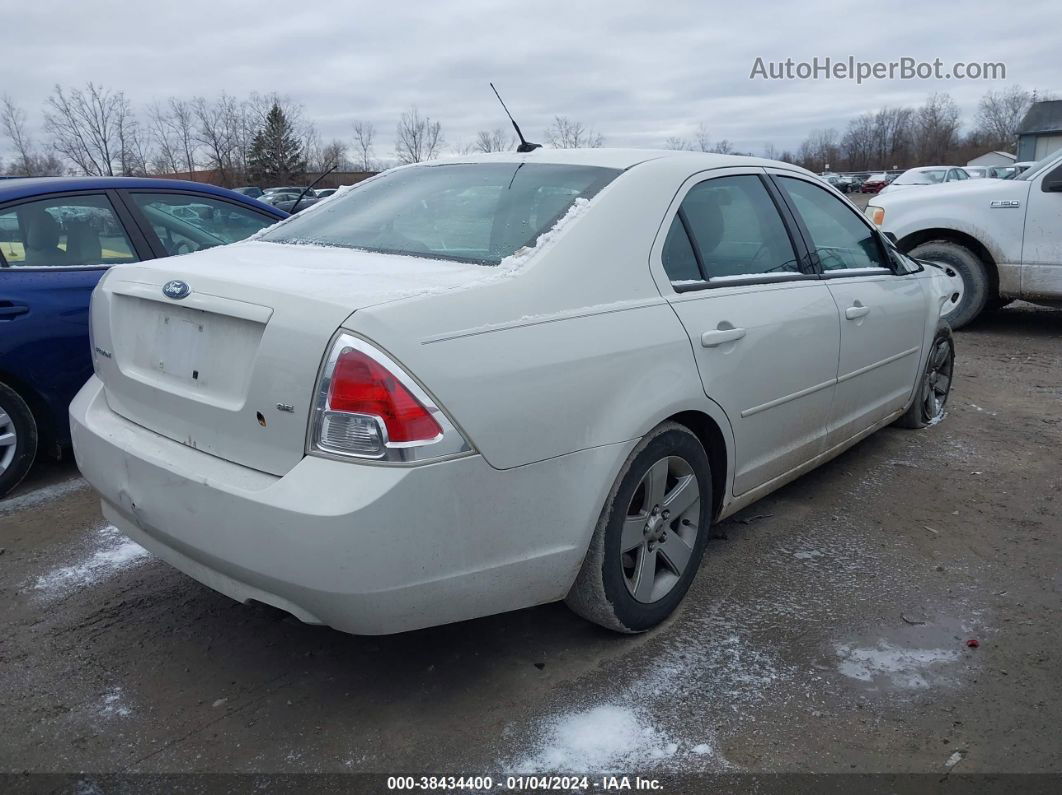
(920,413)
(16,416)
(977,287)
(601,593)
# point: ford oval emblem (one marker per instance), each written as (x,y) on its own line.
(176,289)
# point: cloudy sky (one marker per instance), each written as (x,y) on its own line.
(639,72)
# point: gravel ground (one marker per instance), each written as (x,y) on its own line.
(828,630)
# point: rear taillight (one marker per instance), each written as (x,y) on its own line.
(368,407)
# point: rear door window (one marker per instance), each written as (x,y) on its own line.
(734,232)
(186,222)
(64,232)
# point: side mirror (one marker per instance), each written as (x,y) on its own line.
(1052,183)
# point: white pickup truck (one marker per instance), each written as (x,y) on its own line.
(1001,238)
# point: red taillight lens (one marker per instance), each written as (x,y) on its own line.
(361,385)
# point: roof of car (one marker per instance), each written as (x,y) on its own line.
(614,158)
(23,187)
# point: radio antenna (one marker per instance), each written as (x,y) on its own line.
(524,145)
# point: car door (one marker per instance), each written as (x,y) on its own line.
(764,331)
(1041,253)
(882,313)
(180,222)
(53,251)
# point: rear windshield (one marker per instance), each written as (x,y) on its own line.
(470,212)
(924,177)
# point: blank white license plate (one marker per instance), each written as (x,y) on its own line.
(180,343)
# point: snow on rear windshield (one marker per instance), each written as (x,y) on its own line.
(928,176)
(470,212)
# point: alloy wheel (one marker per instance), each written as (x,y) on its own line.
(937,384)
(660,529)
(8,441)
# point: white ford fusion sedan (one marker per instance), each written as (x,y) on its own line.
(468,387)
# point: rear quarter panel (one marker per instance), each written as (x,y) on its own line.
(576,350)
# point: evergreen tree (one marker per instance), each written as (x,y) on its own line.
(276,156)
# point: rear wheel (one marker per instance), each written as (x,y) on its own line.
(18,439)
(650,538)
(976,287)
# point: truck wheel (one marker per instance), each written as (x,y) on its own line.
(976,286)
(18,439)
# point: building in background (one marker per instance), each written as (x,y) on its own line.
(1040,133)
(993,159)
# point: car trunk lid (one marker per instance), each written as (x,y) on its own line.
(230,367)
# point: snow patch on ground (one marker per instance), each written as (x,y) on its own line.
(110,552)
(42,495)
(603,739)
(905,668)
(114,704)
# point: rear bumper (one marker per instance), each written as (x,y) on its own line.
(365,549)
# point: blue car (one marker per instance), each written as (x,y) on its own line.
(57,237)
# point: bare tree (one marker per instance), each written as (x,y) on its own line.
(217,131)
(567,133)
(936,127)
(495,140)
(857,143)
(334,153)
(134,150)
(701,142)
(999,115)
(28,162)
(94,128)
(364,137)
(417,138)
(770,152)
(13,119)
(167,158)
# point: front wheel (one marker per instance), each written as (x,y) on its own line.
(934,387)
(18,439)
(649,541)
(975,290)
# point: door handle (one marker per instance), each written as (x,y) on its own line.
(9,311)
(711,339)
(856,312)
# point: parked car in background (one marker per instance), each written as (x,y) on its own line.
(251,191)
(479,385)
(838,182)
(293,202)
(1001,237)
(977,172)
(324,193)
(1004,172)
(925,175)
(290,189)
(874,183)
(58,236)
(856,180)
